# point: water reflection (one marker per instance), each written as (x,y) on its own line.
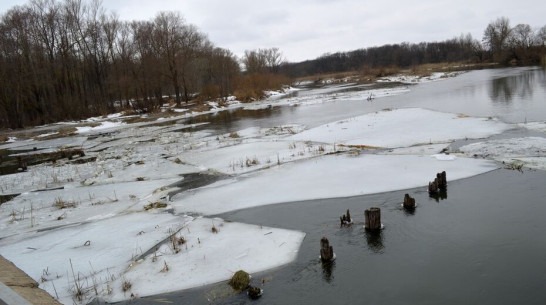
(328,270)
(440,195)
(505,89)
(374,238)
(409,211)
(226,118)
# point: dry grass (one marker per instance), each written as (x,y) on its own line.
(360,146)
(126,285)
(251,87)
(155,205)
(349,75)
(60,204)
(64,131)
(201,107)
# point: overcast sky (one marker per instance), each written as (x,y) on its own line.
(306,29)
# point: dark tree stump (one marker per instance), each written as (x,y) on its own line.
(433,186)
(442,180)
(254,292)
(372,219)
(409,202)
(326,251)
(346,219)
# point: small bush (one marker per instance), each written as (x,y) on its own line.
(240,280)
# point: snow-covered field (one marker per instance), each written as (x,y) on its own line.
(132,222)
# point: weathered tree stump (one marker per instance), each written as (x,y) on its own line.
(433,186)
(372,219)
(254,292)
(438,188)
(442,180)
(346,219)
(326,251)
(409,202)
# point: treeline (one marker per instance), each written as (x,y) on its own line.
(71,59)
(501,43)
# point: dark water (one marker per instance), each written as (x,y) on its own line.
(484,244)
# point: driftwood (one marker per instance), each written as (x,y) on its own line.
(372,218)
(326,251)
(345,219)
(409,202)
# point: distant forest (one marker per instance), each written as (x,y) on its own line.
(519,45)
(68,60)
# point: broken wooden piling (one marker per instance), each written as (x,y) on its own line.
(409,202)
(439,183)
(326,251)
(346,219)
(372,219)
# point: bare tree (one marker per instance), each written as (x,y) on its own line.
(262,60)
(521,36)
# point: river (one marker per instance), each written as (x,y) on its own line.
(483,244)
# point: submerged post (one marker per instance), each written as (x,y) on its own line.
(326,251)
(372,219)
(409,202)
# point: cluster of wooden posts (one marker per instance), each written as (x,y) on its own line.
(372,216)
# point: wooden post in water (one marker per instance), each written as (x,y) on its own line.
(372,219)
(442,180)
(409,202)
(345,219)
(433,186)
(326,251)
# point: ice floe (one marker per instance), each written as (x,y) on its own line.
(529,151)
(325,177)
(199,255)
(402,127)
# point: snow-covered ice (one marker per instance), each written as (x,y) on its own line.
(528,151)
(401,128)
(326,177)
(106,125)
(206,257)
